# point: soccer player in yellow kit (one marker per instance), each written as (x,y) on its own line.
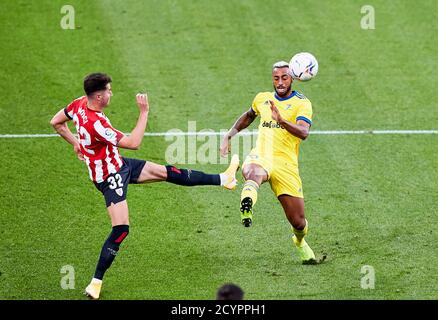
(286,117)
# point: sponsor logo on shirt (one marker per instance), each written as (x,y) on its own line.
(109,134)
(271,124)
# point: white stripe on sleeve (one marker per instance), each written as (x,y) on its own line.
(107,134)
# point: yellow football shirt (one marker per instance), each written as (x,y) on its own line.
(273,140)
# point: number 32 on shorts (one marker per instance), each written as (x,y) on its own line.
(115,181)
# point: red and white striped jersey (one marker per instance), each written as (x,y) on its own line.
(98,139)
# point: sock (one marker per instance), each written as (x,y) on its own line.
(250,189)
(96,282)
(299,234)
(224,178)
(110,249)
(187,177)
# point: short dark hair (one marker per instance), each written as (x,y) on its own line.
(229,291)
(96,82)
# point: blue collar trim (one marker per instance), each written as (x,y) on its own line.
(293,93)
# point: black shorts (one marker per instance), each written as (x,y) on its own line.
(115,186)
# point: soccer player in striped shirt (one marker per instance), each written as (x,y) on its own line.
(98,146)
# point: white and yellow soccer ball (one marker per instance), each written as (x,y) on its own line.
(303,66)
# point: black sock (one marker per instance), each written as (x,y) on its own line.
(110,248)
(187,177)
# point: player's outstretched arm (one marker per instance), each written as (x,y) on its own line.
(59,122)
(133,141)
(300,130)
(243,122)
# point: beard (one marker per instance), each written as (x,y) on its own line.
(285,93)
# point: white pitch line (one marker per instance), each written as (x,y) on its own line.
(376,132)
(244,133)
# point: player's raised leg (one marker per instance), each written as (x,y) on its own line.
(153,172)
(254,175)
(294,210)
(120,229)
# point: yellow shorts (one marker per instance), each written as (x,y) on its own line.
(283,175)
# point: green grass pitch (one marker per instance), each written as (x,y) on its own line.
(370,199)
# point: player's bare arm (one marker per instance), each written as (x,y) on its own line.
(243,122)
(133,141)
(59,123)
(300,130)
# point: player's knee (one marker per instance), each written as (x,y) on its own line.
(156,171)
(300,225)
(297,221)
(245,173)
(119,233)
(161,172)
(248,173)
(251,173)
(152,172)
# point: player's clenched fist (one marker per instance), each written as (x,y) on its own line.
(142,102)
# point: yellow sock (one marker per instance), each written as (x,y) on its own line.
(299,234)
(250,189)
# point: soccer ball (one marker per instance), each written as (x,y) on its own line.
(303,66)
